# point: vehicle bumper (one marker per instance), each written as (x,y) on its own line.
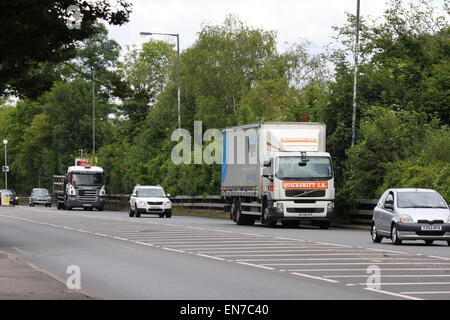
(79,204)
(40,202)
(317,211)
(413,231)
(154,211)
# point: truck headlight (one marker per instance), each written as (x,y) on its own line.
(330,207)
(404,218)
(102,191)
(280,207)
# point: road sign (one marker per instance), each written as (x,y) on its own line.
(5,168)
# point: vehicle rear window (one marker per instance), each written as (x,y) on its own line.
(420,200)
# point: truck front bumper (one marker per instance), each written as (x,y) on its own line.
(290,210)
(75,203)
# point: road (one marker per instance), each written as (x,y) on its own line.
(192,258)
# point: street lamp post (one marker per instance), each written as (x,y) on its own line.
(178,67)
(355,76)
(5,142)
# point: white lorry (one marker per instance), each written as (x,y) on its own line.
(81,187)
(278,171)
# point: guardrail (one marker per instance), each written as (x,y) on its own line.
(362,215)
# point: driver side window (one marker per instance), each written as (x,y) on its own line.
(389,200)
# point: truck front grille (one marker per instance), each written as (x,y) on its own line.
(304,210)
(305,193)
(87,195)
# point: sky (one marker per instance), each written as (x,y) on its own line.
(293,20)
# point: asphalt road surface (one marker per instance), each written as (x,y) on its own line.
(192,258)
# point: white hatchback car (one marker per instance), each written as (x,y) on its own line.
(149,200)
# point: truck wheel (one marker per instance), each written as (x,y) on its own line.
(290,223)
(243,219)
(268,221)
(324,225)
(100,209)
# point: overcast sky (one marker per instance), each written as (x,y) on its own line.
(293,20)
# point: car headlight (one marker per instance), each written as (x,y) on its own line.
(448,219)
(168,204)
(404,218)
(142,203)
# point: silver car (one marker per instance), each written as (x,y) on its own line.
(411,214)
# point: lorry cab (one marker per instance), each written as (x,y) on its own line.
(81,187)
(300,185)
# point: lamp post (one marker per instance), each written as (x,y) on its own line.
(178,66)
(355,76)
(5,142)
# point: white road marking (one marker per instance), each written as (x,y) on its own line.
(357,263)
(255,265)
(392,276)
(300,255)
(22,251)
(175,250)
(376,260)
(441,258)
(314,277)
(365,269)
(392,294)
(407,283)
(210,257)
(426,292)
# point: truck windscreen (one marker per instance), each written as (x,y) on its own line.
(292,168)
(83,179)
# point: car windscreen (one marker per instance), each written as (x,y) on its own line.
(40,192)
(87,179)
(292,168)
(156,193)
(420,200)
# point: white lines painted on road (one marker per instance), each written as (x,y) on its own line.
(256,265)
(425,292)
(322,261)
(314,277)
(393,294)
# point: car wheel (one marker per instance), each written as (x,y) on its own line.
(130,212)
(169,215)
(161,215)
(394,236)
(429,242)
(374,233)
(448,243)
(136,212)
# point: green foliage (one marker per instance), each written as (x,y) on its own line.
(233,74)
